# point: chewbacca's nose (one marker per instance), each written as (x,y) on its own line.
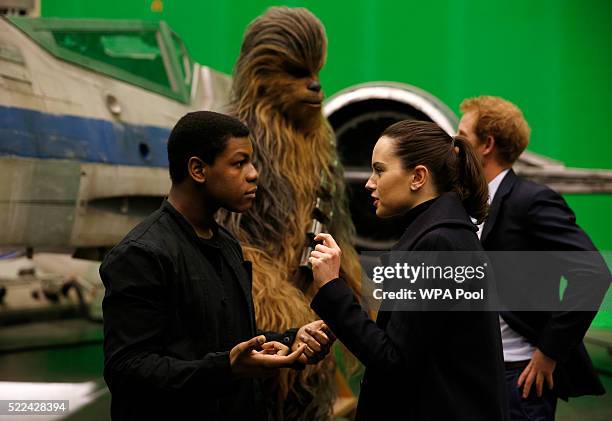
(314,86)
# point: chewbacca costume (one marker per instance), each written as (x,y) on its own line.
(276,92)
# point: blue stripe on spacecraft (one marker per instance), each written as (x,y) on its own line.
(34,134)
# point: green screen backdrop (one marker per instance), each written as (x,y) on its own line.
(553,58)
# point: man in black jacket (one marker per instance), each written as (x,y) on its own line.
(543,350)
(180,334)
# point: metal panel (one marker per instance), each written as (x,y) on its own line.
(37,201)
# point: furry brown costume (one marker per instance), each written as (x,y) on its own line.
(276,92)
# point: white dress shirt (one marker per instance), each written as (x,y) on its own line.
(516,347)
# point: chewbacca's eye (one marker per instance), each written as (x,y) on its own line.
(296,71)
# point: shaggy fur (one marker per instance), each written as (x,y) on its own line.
(282,53)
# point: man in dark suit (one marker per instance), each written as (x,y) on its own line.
(543,350)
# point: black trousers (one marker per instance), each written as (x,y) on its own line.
(532,408)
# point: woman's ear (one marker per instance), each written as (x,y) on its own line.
(420,175)
(196,169)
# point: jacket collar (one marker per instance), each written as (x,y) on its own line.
(188,228)
(446,210)
(504,189)
(179,219)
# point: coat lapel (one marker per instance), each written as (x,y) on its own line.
(243,272)
(504,188)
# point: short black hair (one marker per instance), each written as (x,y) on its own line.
(203,134)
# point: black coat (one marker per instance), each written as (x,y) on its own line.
(528,216)
(167,342)
(423,365)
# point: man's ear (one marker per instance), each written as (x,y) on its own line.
(419,177)
(489,146)
(197,169)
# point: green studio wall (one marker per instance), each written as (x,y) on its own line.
(553,58)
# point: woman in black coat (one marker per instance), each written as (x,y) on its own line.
(420,365)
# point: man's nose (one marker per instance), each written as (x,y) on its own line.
(314,86)
(253,175)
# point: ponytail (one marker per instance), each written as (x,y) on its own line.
(471,184)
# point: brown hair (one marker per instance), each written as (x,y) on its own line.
(504,121)
(450,160)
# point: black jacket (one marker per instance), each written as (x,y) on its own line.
(528,216)
(174,307)
(423,365)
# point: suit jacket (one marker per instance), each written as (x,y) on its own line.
(526,216)
(423,365)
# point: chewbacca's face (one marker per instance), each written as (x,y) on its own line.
(295,89)
(282,54)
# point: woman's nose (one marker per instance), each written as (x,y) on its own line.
(370,185)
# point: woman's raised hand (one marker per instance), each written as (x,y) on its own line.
(325,260)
